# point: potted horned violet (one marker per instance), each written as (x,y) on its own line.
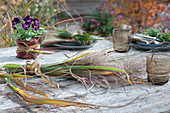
(28,34)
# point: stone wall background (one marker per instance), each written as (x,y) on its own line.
(83,6)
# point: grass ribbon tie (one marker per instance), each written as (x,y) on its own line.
(32,69)
(25,48)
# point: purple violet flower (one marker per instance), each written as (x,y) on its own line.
(26,26)
(36,21)
(16,21)
(27,19)
(35,27)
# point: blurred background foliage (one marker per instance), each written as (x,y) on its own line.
(133,14)
(101,21)
(37,8)
(136,15)
(141,14)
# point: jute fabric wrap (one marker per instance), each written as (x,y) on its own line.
(158,68)
(121,40)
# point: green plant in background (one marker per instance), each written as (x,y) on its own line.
(45,7)
(5,40)
(101,21)
(152,32)
(39,8)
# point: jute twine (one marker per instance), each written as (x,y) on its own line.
(158,68)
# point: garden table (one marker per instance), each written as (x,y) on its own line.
(155,100)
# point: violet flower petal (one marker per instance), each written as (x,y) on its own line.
(35,27)
(27,17)
(36,21)
(26,26)
(28,21)
(16,21)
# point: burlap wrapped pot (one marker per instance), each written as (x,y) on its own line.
(158,68)
(25,48)
(121,40)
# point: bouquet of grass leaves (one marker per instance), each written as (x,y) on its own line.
(82,68)
(160,36)
(83,39)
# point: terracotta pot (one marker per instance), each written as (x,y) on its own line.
(121,40)
(24,49)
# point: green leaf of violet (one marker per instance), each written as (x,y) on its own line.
(13,35)
(19,25)
(28,38)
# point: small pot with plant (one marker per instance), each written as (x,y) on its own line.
(28,34)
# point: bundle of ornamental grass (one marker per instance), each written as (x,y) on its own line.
(132,65)
(92,69)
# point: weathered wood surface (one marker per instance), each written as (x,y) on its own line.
(157,100)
